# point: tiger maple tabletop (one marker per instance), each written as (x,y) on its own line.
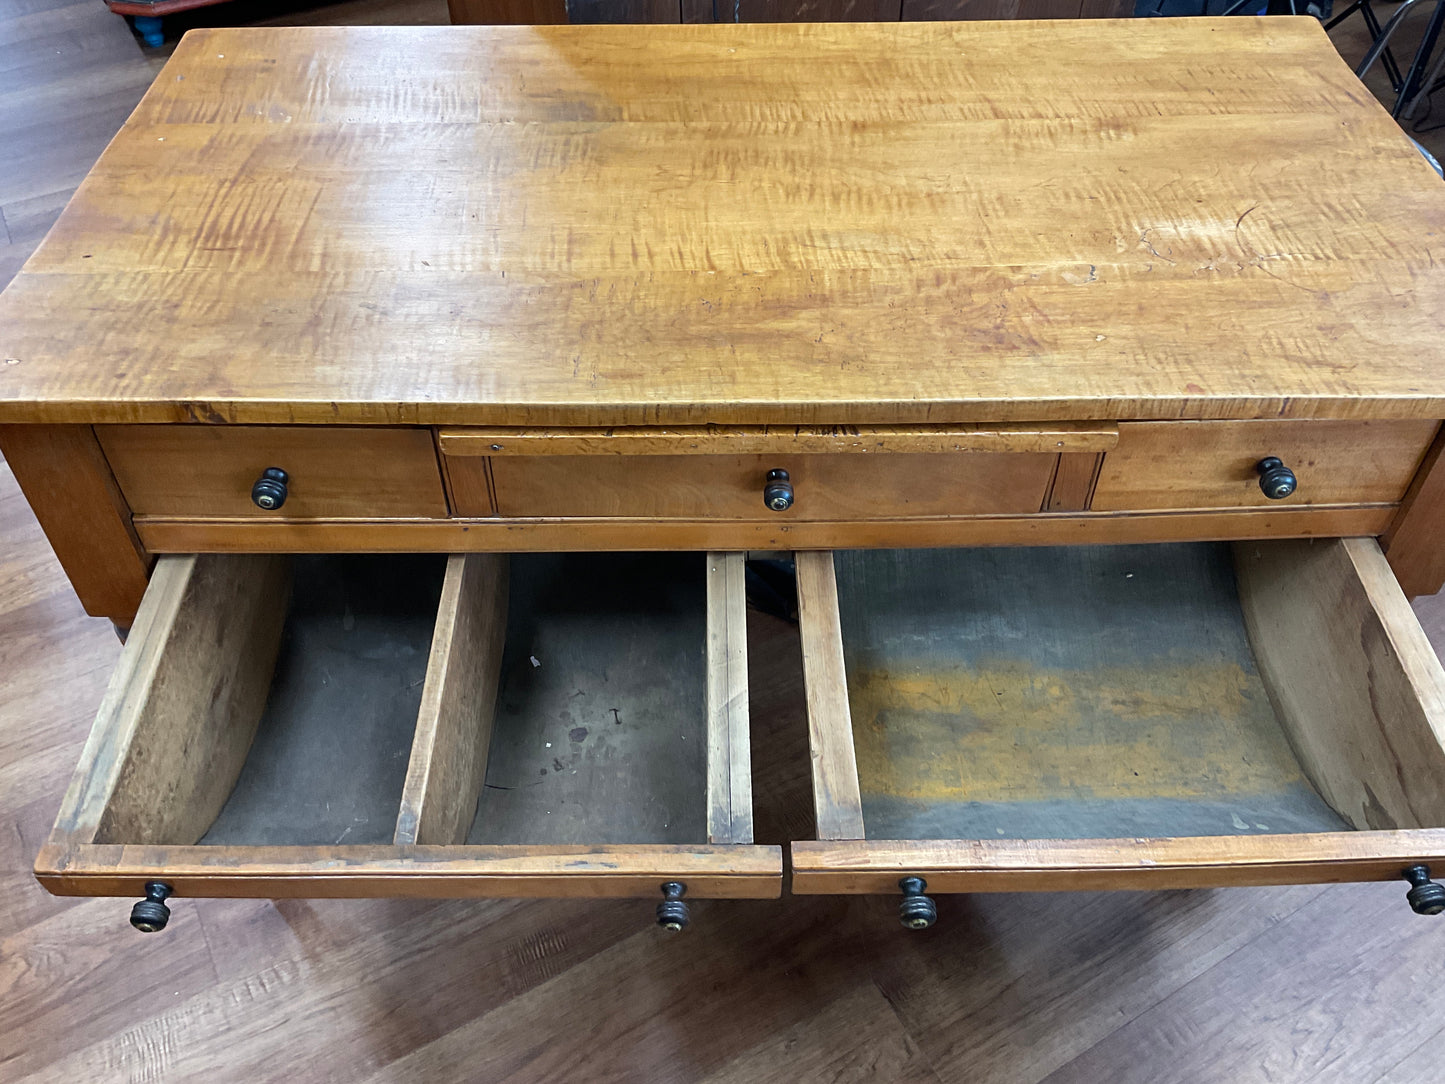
(868,223)
(942,294)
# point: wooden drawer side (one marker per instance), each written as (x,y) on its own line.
(1352,676)
(177,721)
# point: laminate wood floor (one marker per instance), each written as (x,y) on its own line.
(1290,984)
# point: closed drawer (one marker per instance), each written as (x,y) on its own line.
(423,726)
(1117,717)
(209,470)
(1182,465)
(824,487)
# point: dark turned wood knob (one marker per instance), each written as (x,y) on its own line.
(151,914)
(778,492)
(917,911)
(672,913)
(1276,481)
(269,492)
(1425,896)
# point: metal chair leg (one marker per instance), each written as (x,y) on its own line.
(1414,82)
(1358,5)
(1372,24)
(1382,39)
(1387,58)
(1425,86)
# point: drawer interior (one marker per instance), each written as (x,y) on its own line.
(329,757)
(414,724)
(1073,692)
(1009,699)
(600,732)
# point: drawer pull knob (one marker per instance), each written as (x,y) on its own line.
(917,911)
(672,913)
(269,492)
(1276,481)
(778,492)
(1426,897)
(151,914)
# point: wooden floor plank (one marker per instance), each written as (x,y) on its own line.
(660,1009)
(1326,997)
(1417,1065)
(28,220)
(1015,987)
(352,985)
(62,977)
(854,1038)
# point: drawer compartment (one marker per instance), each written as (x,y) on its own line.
(1117,717)
(825,487)
(580,753)
(1183,465)
(326,726)
(208,470)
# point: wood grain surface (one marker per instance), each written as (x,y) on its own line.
(223,535)
(826,487)
(458,703)
(439,872)
(1015,988)
(837,806)
(1412,540)
(1352,676)
(782,223)
(1073,486)
(175,726)
(1163,465)
(729,748)
(1245,986)
(780,439)
(333,471)
(1348,670)
(1012,865)
(68,482)
(174,732)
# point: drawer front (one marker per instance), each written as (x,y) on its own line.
(325,729)
(1181,465)
(209,470)
(824,487)
(1117,717)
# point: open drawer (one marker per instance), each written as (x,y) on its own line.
(554,724)
(1120,717)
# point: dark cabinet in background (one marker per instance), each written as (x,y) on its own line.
(482,12)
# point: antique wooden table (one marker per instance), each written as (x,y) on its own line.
(973,304)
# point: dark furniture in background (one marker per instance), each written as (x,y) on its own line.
(775,11)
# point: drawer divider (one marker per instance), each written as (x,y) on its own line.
(729,758)
(837,801)
(458,708)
